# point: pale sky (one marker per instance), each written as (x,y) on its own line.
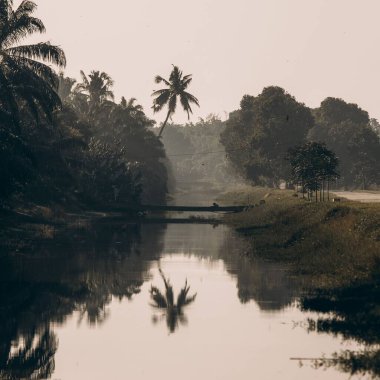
(312,48)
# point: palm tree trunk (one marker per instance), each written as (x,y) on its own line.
(164,125)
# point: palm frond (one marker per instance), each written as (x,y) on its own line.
(186,80)
(25,8)
(19,28)
(158,79)
(186,105)
(191,98)
(161,100)
(42,70)
(84,78)
(5,10)
(44,51)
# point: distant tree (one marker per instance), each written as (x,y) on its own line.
(97,88)
(65,87)
(176,86)
(313,166)
(25,78)
(258,135)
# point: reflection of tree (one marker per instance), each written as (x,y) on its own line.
(352,313)
(173,311)
(32,359)
(267,283)
(80,270)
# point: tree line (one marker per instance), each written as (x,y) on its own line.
(66,141)
(267,138)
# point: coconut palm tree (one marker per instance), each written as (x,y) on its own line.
(176,86)
(26,79)
(173,310)
(97,87)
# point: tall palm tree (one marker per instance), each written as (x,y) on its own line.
(26,79)
(176,86)
(97,87)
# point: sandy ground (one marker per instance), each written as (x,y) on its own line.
(359,196)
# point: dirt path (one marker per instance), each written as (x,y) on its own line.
(359,196)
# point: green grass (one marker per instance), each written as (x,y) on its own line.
(332,244)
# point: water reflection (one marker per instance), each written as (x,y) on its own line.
(173,311)
(90,272)
(79,270)
(31,357)
(352,313)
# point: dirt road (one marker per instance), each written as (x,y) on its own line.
(359,196)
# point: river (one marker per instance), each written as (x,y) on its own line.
(80,307)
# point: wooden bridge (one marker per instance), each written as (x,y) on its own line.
(165,208)
(151,208)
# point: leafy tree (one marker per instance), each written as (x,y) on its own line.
(176,88)
(312,166)
(25,76)
(258,135)
(108,176)
(345,129)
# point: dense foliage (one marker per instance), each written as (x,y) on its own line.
(346,129)
(258,135)
(67,142)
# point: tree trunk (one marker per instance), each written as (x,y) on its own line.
(164,125)
(328,190)
(323,190)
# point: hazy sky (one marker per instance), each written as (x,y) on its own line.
(312,48)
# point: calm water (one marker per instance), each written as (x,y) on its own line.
(80,308)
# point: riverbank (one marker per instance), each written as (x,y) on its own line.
(333,244)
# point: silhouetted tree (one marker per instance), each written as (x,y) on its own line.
(312,166)
(25,78)
(97,88)
(176,86)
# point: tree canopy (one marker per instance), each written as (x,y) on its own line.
(258,135)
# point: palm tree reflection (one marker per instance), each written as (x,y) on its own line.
(173,312)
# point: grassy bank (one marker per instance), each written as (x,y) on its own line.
(333,244)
